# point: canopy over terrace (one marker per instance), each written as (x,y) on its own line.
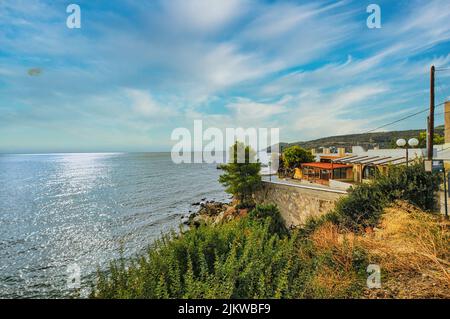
(322,172)
(372,160)
(365,166)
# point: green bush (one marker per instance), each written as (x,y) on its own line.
(412,184)
(239,259)
(244,258)
(364,204)
(361,208)
(277,224)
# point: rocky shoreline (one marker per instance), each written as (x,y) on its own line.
(213,213)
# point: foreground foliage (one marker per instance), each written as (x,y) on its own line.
(252,257)
(363,206)
(255,256)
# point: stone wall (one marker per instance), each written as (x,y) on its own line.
(298,202)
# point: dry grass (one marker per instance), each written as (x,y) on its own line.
(336,278)
(332,283)
(328,239)
(411,247)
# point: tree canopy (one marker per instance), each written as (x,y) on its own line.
(242,174)
(437,139)
(295,155)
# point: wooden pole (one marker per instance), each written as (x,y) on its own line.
(431,122)
(445,192)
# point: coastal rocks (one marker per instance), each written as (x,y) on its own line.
(213,213)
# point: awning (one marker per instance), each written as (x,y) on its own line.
(325,165)
(372,160)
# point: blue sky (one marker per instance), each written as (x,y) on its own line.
(138,69)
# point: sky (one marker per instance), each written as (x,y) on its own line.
(136,70)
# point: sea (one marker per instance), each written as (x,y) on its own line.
(63,217)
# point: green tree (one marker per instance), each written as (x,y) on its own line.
(437,139)
(295,155)
(242,174)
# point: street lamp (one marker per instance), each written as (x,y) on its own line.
(413,142)
(401,142)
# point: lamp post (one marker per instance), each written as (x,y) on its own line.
(401,142)
(413,142)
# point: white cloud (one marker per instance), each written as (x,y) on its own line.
(323,114)
(225,66)
(247,110)
(144,104)
(225,62)
(203,15)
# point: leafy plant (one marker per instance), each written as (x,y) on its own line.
(412,184)
(244,258)
(437,139)
(277,224)
(363,206)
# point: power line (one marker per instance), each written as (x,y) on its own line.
(401,119)
(396,121)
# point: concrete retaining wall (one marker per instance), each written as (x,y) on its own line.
(298,202)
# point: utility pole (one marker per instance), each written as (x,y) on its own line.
(445,191)
(431,121)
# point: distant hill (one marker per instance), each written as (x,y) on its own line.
(366,140)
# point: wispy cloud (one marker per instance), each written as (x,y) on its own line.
(139,69)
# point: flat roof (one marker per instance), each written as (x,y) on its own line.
(374,160)
(331,156)
(326,165)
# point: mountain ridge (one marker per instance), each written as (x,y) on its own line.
(366,140)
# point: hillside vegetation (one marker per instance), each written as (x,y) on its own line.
(366,140)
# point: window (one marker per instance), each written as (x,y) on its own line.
(369,172)
(340,173)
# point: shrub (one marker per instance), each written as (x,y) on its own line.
(239,259)
(244,258)
(364,204)
(271,212)
(361,208)
(412,184)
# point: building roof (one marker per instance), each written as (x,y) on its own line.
(375,160)
(381,156)
(395,156)
(325,165)
(331,156)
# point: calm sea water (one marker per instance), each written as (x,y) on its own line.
(60,210)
